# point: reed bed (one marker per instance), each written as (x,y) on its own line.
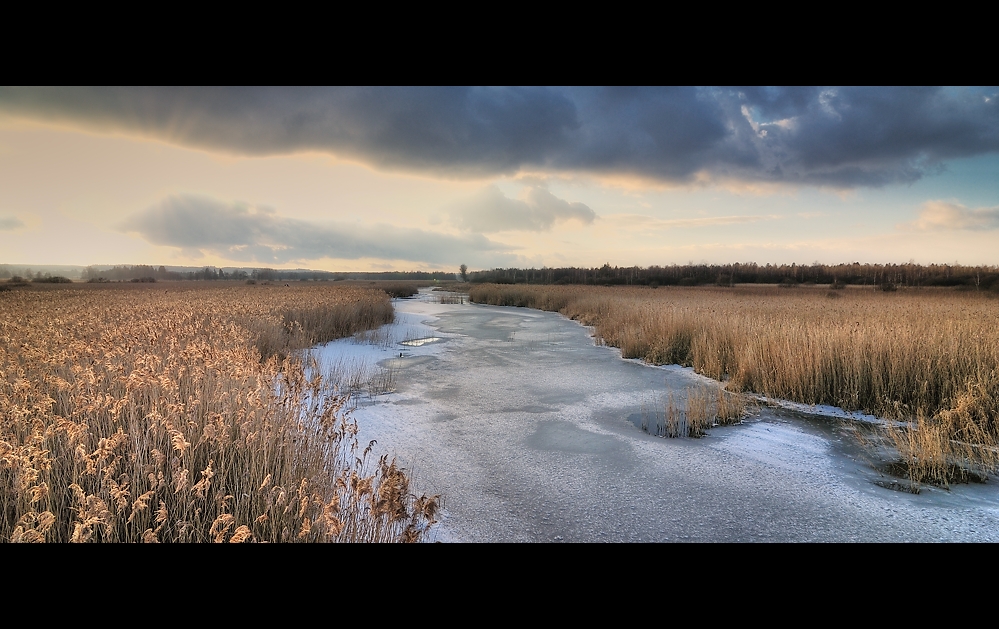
(186,415)
(927,357)
(450,298)
(699,410)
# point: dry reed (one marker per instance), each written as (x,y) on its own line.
(185,415)
(692,416)
(450,298)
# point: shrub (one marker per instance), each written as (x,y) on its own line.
(53,279)
(399,290)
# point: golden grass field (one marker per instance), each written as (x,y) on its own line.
(181,412)
(927,357)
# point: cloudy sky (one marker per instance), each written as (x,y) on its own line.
(431,178)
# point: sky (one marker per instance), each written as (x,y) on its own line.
(380,178)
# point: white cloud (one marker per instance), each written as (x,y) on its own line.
(948,215)
(245,233)
(492,211)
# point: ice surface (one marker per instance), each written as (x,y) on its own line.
(521,421)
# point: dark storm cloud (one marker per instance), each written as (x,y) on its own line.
(243,233)
(874,136)
(776,103)
(666,133)
(823,136)
(465,130)
(491,211)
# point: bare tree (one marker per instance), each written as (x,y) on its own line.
(464,272)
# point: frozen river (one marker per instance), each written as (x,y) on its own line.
(529,431)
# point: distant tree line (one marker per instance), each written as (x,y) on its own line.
(147,273)
(280,274)
(398,275)
(8,272)
(143,272)
(874,275)
(29,276)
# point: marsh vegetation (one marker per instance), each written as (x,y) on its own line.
(160,413)
(693,412)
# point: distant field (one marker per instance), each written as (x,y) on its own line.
(926,355)
(179,412)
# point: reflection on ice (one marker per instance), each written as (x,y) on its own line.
(421,342)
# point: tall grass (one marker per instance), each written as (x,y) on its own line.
(159,415)
(692,415)
(902,355)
